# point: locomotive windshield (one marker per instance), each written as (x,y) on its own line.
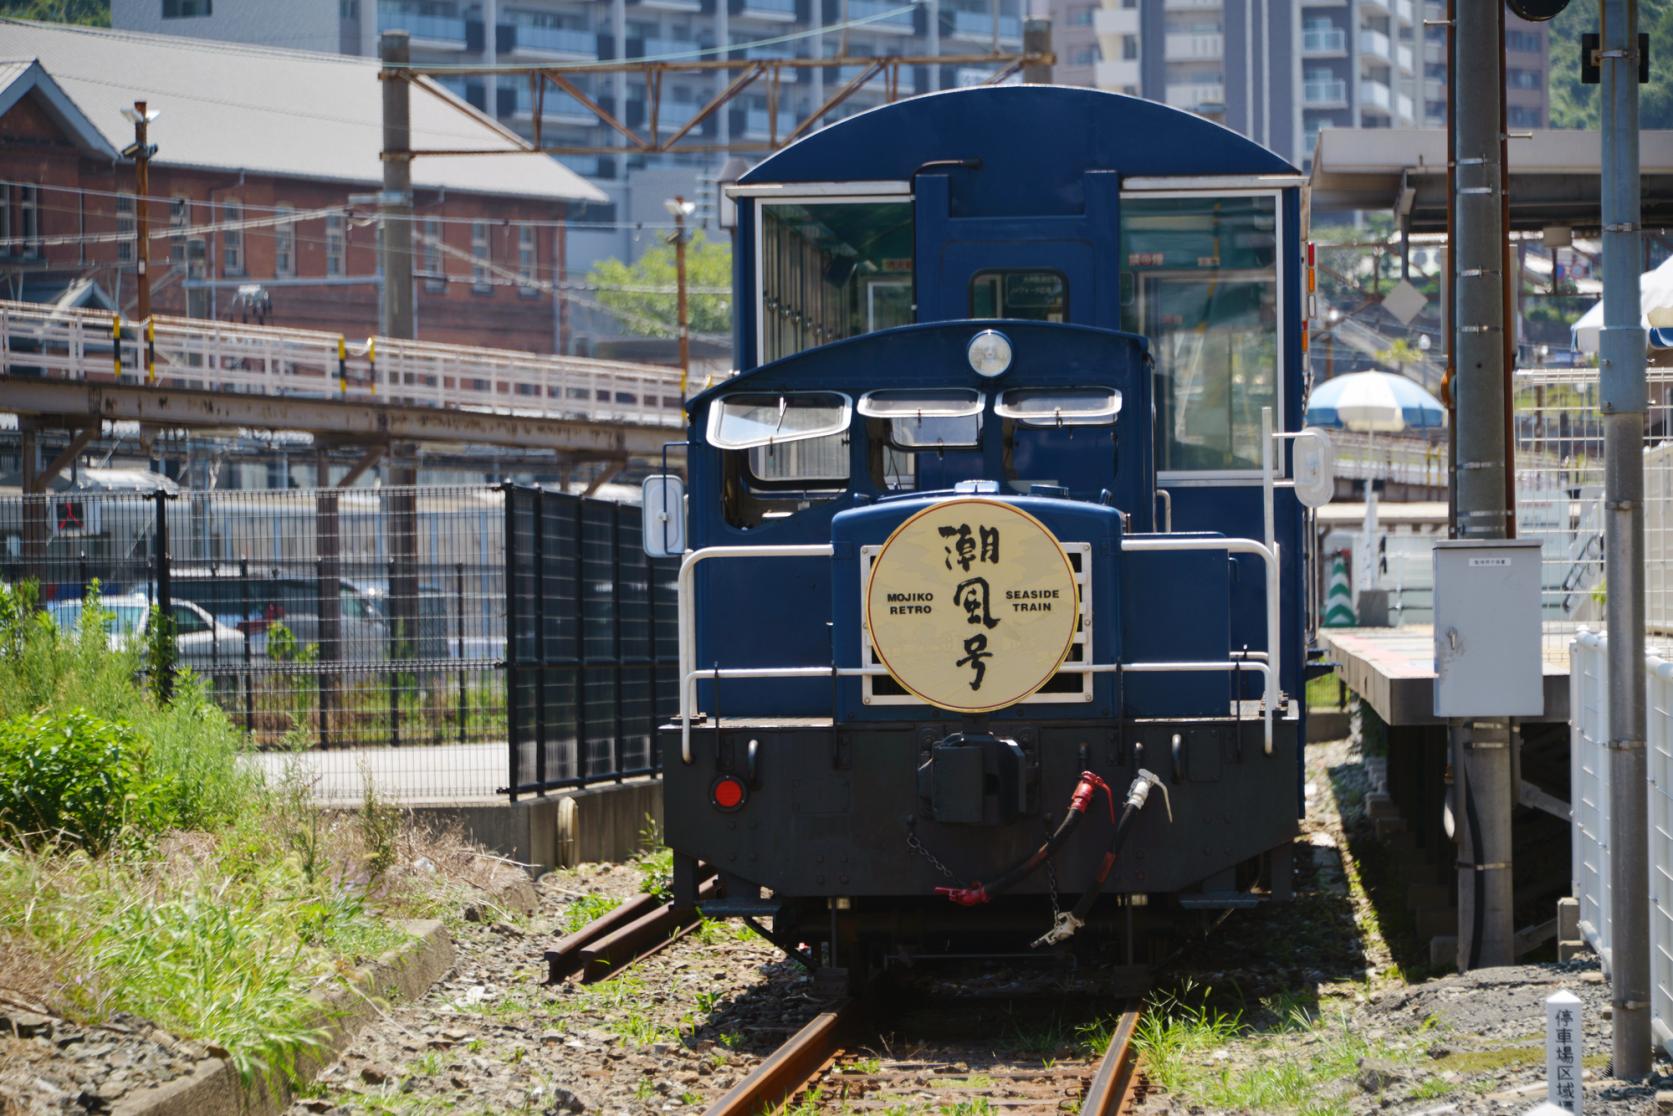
(927,418)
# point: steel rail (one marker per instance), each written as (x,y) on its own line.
(791,1066)
(1117,1073)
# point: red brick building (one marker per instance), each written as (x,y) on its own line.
(246,137)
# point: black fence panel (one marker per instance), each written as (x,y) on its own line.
(592,648)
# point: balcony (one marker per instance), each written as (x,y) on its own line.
(977,27)
(1403,107)
(670,5)
(438,32)
(1324,93)
(1189,47)
(1192,5)
(900,23)
(1403,57)
(1117,74)
(1376,43)
(1374,95)
(553,42)
(1116,21)
(770,11)
(1402,10)
(660,48)
(1324,41)
(1197,96)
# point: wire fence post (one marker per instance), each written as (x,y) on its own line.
(582,664)
(394,649)
(513,639)
(164,660)
(542,680)
(459,638)
(245,627)
(616,632)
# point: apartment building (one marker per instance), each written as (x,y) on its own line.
(1527,70)
(1279,70)
(492,32)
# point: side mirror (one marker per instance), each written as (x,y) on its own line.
(1315,467)
(662,504)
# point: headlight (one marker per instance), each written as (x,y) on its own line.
(989,352)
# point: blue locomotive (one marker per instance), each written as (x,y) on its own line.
(992,616)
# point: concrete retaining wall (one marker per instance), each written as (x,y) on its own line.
(558,830)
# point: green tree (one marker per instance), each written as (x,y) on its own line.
(1574,105)
(644,296)
(93,13)
(1400,353)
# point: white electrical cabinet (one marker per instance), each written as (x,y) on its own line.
(1487,628)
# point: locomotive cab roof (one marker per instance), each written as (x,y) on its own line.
(1031,140)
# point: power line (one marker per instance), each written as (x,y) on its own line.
(678,56)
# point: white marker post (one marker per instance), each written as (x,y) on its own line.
(1562,1051)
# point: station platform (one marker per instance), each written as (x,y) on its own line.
(1393,671)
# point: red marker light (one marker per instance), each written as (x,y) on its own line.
(728,793)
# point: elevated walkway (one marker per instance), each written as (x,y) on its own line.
(73,369)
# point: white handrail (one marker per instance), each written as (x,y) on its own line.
(1270,557)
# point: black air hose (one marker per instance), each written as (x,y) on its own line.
(979,893)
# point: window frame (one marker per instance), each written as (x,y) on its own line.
(336,245)
(430,256)
(481,281)
(806,193)
(528,261)
(29,219)
(1205,187)
(127,228)
(284,243)
(717,412)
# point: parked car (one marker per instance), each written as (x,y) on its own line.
(256,604)
(200,640)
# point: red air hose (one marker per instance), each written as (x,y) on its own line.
(1079,802)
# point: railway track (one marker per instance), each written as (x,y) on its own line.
(841,1061)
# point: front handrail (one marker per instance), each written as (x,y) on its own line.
(1265,663)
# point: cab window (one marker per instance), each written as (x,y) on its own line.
(781,452)
(832,269)
(918,437)
(1060,436)
(1200,280)
(1035,296)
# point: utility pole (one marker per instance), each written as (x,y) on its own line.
(1622,401)
(680,209)
(1484,794)
(141,153)
(395,235)
(1036,39)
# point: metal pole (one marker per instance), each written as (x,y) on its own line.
(395,237)
(1622,394)
(1481,748)
(1036,39)
(142,224)
(679,279)
(562,292)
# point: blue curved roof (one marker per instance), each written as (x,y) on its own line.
(1043,135)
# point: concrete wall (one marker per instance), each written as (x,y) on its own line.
(560,830)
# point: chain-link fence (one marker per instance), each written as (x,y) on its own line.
(361,633)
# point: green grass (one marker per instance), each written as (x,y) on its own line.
(1324,692)
(1303,1064)
(218,907)
(586,909)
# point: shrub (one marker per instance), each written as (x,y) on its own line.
(67,775)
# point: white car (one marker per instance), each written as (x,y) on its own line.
(199,640)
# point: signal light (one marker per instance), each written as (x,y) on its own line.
(728,793)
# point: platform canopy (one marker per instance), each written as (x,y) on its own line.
(1554,176)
